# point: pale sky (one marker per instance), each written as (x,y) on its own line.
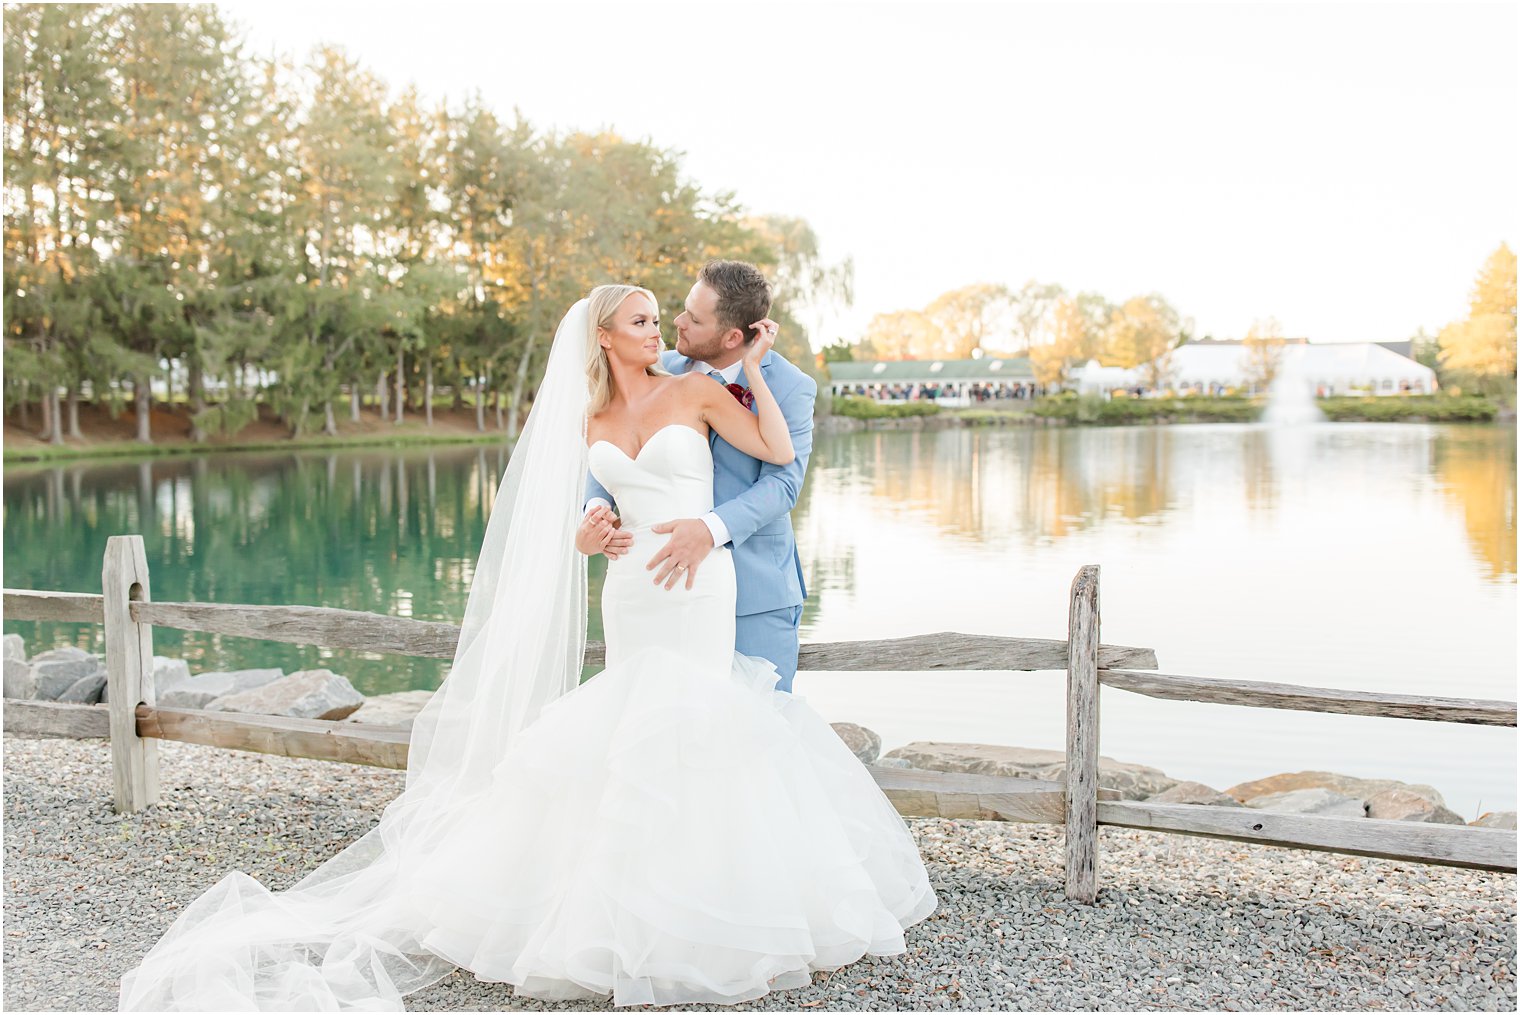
(1345,168)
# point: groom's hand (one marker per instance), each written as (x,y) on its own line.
(690,542)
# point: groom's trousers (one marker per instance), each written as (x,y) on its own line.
(771,635)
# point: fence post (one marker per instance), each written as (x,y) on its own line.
(1082,737)
(129,673)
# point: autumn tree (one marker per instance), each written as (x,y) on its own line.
(1031,309)
(905,334)
(807,286)
(1072,336)
(1264,349)
(1141,333)
(1481,348)
(974,317)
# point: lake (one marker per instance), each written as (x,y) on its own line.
(1374,556)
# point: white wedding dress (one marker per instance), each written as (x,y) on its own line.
(674,830)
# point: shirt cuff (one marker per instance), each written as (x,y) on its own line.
(716,527)
(595,502)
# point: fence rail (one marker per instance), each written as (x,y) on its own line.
(134,723)
(1259,694)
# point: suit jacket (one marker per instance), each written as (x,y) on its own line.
(755,498)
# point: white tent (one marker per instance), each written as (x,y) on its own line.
(1330,368)
(1338,369)
(1095,377)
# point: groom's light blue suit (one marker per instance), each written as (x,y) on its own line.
(754,499)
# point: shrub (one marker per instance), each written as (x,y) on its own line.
(1122,411)
(869,408)
(1410,408)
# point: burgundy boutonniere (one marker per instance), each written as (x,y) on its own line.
(745,396)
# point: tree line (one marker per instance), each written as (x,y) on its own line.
(295,236)
(1061,331)
(1477,352)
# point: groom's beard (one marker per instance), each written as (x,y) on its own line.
(695,352)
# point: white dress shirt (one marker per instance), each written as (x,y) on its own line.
(727,375)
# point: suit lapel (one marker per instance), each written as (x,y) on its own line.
(765,370)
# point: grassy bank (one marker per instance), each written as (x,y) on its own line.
(1240,409)
(1411,409)
(1093,410)
(868,408)
(103,437)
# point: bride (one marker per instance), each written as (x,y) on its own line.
(674,830)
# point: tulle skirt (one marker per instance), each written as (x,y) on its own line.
(667,836)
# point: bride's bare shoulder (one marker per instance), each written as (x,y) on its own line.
(693,385)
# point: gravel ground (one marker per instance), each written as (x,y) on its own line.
(1180,923)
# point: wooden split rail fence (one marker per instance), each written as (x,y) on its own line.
(134,724)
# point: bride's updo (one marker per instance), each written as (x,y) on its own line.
(604,302)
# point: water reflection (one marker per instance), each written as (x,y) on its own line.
(1359,556)
(994,488)
(381,531)
(1481,485)
(883,518)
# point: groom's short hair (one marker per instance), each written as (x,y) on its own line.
(744,296)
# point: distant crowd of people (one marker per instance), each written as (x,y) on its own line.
(971,391)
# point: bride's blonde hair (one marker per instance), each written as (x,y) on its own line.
(604,302)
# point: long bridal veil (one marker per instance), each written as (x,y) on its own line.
(348,935)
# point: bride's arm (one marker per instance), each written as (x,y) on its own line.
(765,437)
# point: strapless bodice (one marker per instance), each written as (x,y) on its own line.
(671,476)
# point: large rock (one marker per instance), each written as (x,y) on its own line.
(169,673)
(1193,793)
(1346,785)
(20,681)
(863,743)
(1402,805)
(306,694)
(979,759)
(86,690)
(1131,781)
(1497,819)
(15,647)
(202,689)
(1314,800)
(59,669)
(397,709)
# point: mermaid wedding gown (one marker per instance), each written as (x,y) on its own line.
(674,830)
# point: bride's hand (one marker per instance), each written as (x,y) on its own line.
(599,533)
(762,343)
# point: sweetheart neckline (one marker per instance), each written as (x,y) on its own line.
(648,441)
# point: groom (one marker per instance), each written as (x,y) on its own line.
(753,500)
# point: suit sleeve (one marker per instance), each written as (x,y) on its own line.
(594,490)
(775,492)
